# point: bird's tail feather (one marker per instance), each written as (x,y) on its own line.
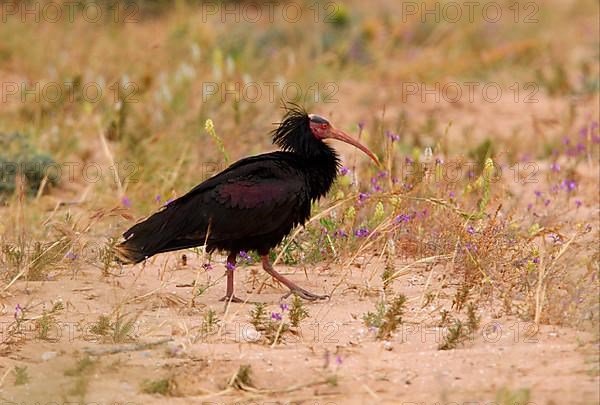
(161,232)
(127,255)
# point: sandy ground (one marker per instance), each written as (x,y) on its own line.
(557,365)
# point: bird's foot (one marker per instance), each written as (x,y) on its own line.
(232,298)
(302,293)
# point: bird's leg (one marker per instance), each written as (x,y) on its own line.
(230,269)
(294,288)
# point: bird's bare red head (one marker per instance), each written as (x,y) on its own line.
(304,133)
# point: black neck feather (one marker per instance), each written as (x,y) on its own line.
(321,162)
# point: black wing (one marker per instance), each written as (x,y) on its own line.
(252,198)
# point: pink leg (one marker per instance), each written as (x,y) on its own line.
(294,288)
(229,294)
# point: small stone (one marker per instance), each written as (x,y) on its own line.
(251,335)
(174,349)
(387,345)
(49,355)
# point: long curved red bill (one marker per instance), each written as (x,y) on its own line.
(344,137)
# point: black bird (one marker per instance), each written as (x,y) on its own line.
(251,205)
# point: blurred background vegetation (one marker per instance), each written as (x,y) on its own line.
(153,60)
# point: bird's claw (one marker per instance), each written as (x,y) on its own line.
(307,295)
(232,298)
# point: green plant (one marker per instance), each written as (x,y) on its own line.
(242,379)
(44,323)
(210,320)
(102,326)
(392,317)
(81,372)
(375,319)
(506,396)
(460,331)
(472,318)
(122,328)
(456,335)
(162,386)
(273,329)
(106,256)
(297,312)
(82,366)
(21,375)
(18,157)
(258,315)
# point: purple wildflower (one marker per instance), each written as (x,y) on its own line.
(276,316)
(126,202)
(157,198)
(338,360)
(570,185)
(409,161)
(344,171)
(536,260)
(207,266)
(284,307)
(470,230)
(538,193)
(361,124)
(340,233)
(361,232)
(362,197)
(244,255)
(393,137)
(71,256)
(470,247)
(230,266)
(402,218)
(547,202)
(452,195)
(18,311)
(578,203)
(555,167)
(555,238)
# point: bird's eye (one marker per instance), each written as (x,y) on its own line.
(323,126)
